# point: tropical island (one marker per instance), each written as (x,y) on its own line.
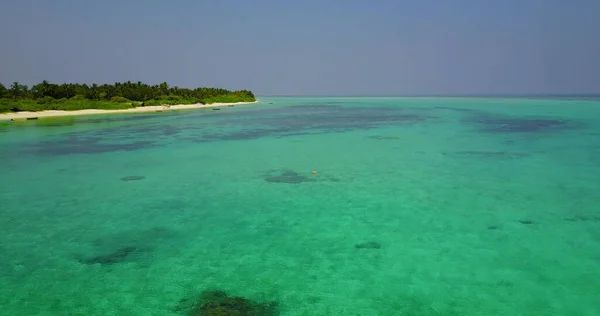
(127,96)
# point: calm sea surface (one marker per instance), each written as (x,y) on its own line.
(418,206)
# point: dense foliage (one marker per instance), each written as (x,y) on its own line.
(74,96)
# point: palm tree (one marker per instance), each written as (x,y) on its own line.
(15,90)
(3,91)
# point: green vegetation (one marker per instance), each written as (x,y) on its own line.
(74,96)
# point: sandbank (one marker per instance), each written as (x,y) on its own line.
(139,109)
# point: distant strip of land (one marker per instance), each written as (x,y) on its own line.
(142,109)
(68,99)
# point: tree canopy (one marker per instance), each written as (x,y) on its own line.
(76,96)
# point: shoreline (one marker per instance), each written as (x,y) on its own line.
(139,109)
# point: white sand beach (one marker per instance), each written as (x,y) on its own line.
(144,109)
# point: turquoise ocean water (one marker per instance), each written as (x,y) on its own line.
(419,206)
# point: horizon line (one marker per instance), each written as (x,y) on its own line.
(536,95)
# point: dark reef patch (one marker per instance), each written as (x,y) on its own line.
(219,303)
(583,218)
(521,125)
(368,245)
(526,222)
(155,130)
(126,246)
(130,133)
(289,176)
(486,154)
(119,136)
(502,124)
(84,145)
(133,178)
(118,256)
(309,119)
(460,110)
(380,137)
(248,134)
(494,123)
(116,118)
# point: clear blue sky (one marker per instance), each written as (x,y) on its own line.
(308,47)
